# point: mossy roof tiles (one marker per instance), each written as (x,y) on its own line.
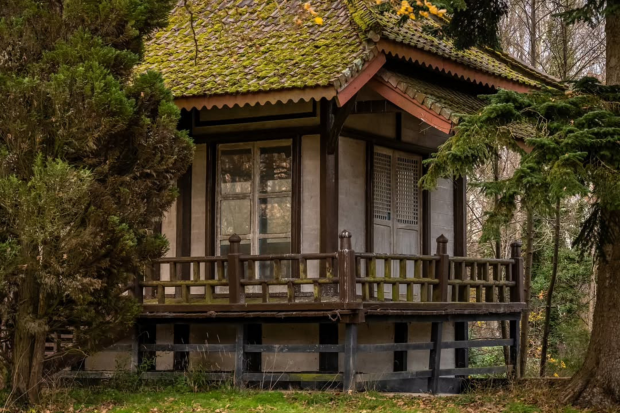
(255,45)
(249,46)
(446,102)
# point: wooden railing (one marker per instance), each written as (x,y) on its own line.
(343,277)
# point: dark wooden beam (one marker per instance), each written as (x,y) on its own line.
(184,224)
(435,357)
(253,337)
(332,121)
(370,197)
(460,217)
(328,335)
(401,335)
(210,196)
(257,135)
(181,336)
(328,182)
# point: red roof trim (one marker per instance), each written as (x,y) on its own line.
(450,66)
(370,69)
(410,105)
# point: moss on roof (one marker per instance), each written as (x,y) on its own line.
(447,102)
(254,45)
(257,45)
(412,33)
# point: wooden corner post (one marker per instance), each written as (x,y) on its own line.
(517,295)
(440,292)
(516,292)
(236,290)
(346,269)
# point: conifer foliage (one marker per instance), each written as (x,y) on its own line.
(571,141)
(89,156)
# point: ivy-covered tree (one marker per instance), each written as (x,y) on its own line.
(89,157)
(574,152)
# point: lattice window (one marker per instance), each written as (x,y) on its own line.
(407,192)
(382,182)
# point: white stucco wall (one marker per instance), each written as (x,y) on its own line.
(310,200)
(352,190)
(199,209)
(442,214)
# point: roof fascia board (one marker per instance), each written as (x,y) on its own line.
(261,98)
(449,66)
(368,71)
(410,105)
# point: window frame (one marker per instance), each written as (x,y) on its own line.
(255,196)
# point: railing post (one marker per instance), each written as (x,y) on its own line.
(440,291)
(138,291)
(516,292)
(346,269)
(235,289)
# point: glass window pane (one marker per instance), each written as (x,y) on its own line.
(274,246)
(235,216)
(275,169)
(236,171)
(275,215)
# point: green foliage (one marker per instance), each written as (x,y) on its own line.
(573,139)
(89,154)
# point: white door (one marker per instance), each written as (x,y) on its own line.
(397,205)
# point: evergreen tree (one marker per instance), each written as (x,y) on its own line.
(574,152)
(89,156)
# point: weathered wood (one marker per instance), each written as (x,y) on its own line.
(461,354)
(515,339)
(435,357)
(202,348)
(476,344)
(401,336)
(181,336)
(400,375)
(472,371)
(440,292)
(394,347)
(516,292)
(235,289)
(346,269)
(328,336)
(239,357)
(161,294)
(350,357)
(295,348)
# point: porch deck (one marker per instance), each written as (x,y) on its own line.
(344,282)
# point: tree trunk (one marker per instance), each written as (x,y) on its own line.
(597,383)
(24,339)
(612,57)
(533,34)
(554,276)
(525,318)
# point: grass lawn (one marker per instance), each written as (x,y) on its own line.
(519,399)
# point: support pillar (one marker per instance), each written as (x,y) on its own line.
(435,357)
(350,357)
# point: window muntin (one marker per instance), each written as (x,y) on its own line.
(254,198)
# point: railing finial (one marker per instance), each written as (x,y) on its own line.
(515,249)
(235,241)
(345,240)
(442,244)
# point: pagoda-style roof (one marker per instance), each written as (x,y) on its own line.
(255,51)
